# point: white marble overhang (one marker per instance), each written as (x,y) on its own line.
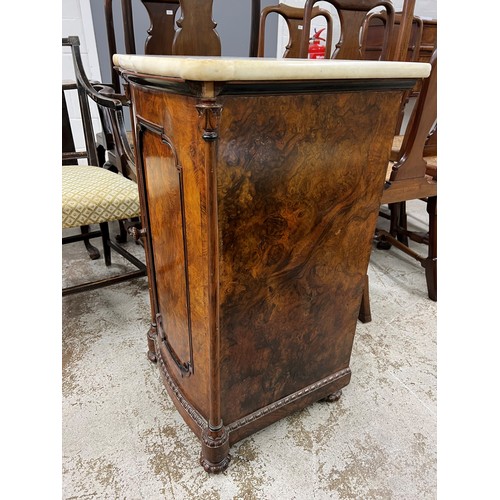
(224,69)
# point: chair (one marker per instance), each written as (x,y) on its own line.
(92,195)
(193,34)
(372,45)
(373,32)
(413,176)
(68,146)
(352,15)
(158,40)
(160,35)
(294,18)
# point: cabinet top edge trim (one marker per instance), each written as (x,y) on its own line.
(221,69)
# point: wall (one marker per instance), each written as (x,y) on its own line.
(233,25)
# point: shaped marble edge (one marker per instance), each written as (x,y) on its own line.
(219,69)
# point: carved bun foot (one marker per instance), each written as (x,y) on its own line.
(215,456)
(152,357)
(331,398)
(215,468)
(383,245)
(91,249)
(151,335)
(93,252)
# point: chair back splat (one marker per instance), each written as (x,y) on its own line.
(193,34)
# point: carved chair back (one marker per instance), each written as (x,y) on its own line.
(373,35)
(294,18)
(352,15)
(192,34)
(110,109)
(160,34)
(82,205)
(410,162)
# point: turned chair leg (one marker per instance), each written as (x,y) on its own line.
(101,155)
(365,313)
(402,223)
(431,261)
(105,243)
(91,249)
(121,237)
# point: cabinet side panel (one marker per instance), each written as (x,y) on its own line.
(299,184)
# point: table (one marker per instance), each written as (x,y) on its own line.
(260,184)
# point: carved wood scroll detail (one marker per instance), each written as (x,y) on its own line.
(210,114)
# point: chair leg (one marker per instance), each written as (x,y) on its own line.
(430,263)
(101,155)
(105,242)
(402,223)
(365,314)
(91,249)
(121,237)
(382,243)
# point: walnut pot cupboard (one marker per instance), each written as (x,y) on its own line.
(260,188)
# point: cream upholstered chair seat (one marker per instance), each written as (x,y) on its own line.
(91,195)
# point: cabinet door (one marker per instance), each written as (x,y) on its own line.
(162,180)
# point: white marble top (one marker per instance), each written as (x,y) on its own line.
(217,69)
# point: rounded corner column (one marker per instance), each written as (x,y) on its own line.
(215,455)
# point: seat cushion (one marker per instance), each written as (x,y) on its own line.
(397,143)
(431,166)
(91,195)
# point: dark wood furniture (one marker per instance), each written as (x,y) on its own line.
(86,205)
(193,34)
(254,27)
(413,176)
(159,38)
(294,18)
(352,14)
(260,184)
(374,31)
(372,46)
(196,34)
(68,149)
(428,43)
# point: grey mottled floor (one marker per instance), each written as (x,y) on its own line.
(123,438)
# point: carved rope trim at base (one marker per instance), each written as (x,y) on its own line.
(190,410)
(286,400)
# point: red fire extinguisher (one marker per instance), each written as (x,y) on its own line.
(316,48)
